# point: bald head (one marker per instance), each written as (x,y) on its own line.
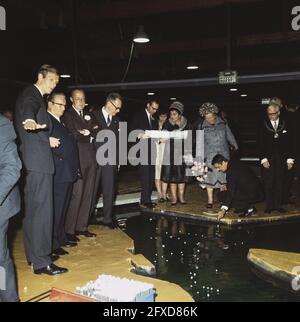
(78,99)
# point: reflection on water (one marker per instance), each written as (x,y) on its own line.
(209,261)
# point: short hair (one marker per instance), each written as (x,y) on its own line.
(218,159)
(275,106)
(113,97)
(152,100)
(45,69)
(51,97)
(76,90)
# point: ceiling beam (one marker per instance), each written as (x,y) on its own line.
(139,9)
(200,44)
(245,79)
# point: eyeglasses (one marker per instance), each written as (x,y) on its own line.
(58,104)
(155,108)
(273,114)
(118,108)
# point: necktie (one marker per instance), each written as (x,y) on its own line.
(108,120)
(275,125)
(81,114)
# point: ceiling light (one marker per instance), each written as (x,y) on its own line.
(65,76)
(192,67)
(150,94)
(233,89)
(141,37)
(244,95)
(173,98)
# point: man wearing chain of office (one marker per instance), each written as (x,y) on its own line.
(276,150)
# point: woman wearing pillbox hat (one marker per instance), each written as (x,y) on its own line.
(174,168)
(217,137)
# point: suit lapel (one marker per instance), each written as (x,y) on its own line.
(77,116)
(148,127)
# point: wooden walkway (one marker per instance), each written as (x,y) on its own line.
(108,253)
(277,267)
(196,210)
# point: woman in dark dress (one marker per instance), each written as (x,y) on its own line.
(174,168)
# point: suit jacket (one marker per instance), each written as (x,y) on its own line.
(242,183)
(86,149)
(10,167)
(34,146)
(66,158)
(269,146)
(114,127)
(141,122)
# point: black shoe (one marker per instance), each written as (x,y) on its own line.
(173,204)
(247,213)
(162,200)
(51,270)
(209,206)
(85,233)
(268,211)
(72,238)
(60,252)
(69,244)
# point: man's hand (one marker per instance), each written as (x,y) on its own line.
(266,165)
(31,125)
(84,132)
(54,142)
(221,214)
(223,188)
(290,166)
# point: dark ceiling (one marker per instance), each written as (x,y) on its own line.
(91,40)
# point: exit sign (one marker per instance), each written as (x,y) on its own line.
(228,77)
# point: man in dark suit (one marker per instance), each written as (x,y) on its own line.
(276,150)
(80,124)
(144,121)
(10,167)
(108,123)
(34,127)
(67,170)
(243,187)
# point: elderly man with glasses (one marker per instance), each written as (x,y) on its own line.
(143,121)
(67,170)
(82,126)
(107,121)
(275,145)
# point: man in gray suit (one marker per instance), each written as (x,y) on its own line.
(10,166)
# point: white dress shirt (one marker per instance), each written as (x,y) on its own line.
(149,118)
(106,115)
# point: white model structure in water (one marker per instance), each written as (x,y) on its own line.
(109,288)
